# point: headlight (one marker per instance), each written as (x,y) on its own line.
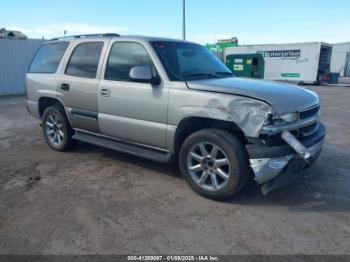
(285,119)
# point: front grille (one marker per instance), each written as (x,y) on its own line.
(309,112)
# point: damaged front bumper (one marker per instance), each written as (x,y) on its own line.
(277,166)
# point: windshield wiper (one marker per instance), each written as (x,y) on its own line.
(224,73)
(201,75)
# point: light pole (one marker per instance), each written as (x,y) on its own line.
(184,19)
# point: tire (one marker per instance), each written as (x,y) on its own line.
(56,128)
(195,168)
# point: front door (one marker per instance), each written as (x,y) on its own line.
(131,111)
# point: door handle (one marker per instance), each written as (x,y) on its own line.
(65,87)
(105,92)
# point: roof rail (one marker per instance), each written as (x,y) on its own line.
(86,35)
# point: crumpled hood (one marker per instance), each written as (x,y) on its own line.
(284,98)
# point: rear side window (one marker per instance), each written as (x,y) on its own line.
(48,57)
(123,57)
(84,60)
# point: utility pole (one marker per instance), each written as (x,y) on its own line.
(184,19)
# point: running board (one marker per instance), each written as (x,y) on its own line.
(151,154)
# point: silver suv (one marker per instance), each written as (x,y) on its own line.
(165,99)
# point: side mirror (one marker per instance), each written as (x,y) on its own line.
(143,74)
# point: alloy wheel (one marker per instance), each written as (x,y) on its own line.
(54,129)
(208,166)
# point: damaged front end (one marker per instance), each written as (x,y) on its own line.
(286,145)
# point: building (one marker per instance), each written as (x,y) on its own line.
(218,48)
(12,34)
(15,57)
(340,62)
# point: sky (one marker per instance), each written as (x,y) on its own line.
(252,22)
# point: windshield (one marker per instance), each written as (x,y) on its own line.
(186,61)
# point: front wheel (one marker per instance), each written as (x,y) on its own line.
(214,163)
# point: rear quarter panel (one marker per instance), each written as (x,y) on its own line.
(39,85)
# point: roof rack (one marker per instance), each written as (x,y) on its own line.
(86,35)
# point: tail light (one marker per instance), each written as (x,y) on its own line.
(26,88)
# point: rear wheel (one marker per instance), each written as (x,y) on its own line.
(56,128)
(214,163)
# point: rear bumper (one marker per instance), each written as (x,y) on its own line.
(33,108)
(277,166)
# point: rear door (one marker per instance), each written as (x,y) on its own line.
(77,84)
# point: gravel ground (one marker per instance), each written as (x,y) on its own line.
(96,201)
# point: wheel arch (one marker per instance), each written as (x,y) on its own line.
(46,101)
(190,125)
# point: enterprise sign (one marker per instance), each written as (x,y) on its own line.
(283,53)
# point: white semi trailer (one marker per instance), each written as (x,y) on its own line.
(297,62)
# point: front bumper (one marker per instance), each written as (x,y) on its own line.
(277,166)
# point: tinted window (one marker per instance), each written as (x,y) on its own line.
(186,61)
(84,60)
(123,57)
(48,57)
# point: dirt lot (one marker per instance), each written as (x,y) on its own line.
(96,201)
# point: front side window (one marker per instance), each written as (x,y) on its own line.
(84,60)
(48,57)
(123,57)
(186,61)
